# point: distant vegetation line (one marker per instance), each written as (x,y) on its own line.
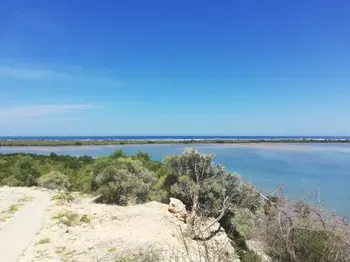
(84,142)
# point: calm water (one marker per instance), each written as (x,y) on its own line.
(162,137)
(302,167)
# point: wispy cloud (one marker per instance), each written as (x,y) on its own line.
(15,72)
(78,74)
(39,110)
(40,74)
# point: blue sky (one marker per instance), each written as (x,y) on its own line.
(174,67)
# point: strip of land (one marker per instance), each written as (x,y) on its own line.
(90,142)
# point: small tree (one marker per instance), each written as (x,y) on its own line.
(205,188)
(118,153)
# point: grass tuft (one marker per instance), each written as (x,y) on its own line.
(13,208)
(85,219)
(63,197)
(43,241)
(67,218)
(25,199)
(60,250)
(70,218)
(7,213)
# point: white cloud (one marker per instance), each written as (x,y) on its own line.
(10,113)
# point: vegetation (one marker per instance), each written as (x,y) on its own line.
(122,181)
(206,189)
(63,197)
(89,142)
(67,218)
(54,180)
(30,169)
(289,231)
(7,213)
(43,241)
(298,231)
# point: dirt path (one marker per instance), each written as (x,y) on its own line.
(21,228)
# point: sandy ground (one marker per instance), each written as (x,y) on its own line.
(43,229)
(22,212)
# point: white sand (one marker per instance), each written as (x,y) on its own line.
(20,229)
(111,233)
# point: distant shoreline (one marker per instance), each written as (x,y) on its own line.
(98,142)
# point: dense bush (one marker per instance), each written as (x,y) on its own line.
(26,171)
(122,181)
(54,180)
(82,179)
(244,222)
(11,181)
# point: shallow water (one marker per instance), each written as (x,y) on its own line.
(302,168)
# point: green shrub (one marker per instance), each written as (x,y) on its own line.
(309,246)
(122,181)
(250,256)
(11,181)
(82,180)
(244,222)
(54,180)
(26,170)
(158,194)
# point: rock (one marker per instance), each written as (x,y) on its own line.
(208,231)
(178,209)
(177,204)
(205,227)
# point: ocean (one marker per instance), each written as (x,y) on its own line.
(301,168)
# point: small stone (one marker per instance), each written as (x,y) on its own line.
(177,208)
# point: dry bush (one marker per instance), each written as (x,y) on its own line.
(296,231)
